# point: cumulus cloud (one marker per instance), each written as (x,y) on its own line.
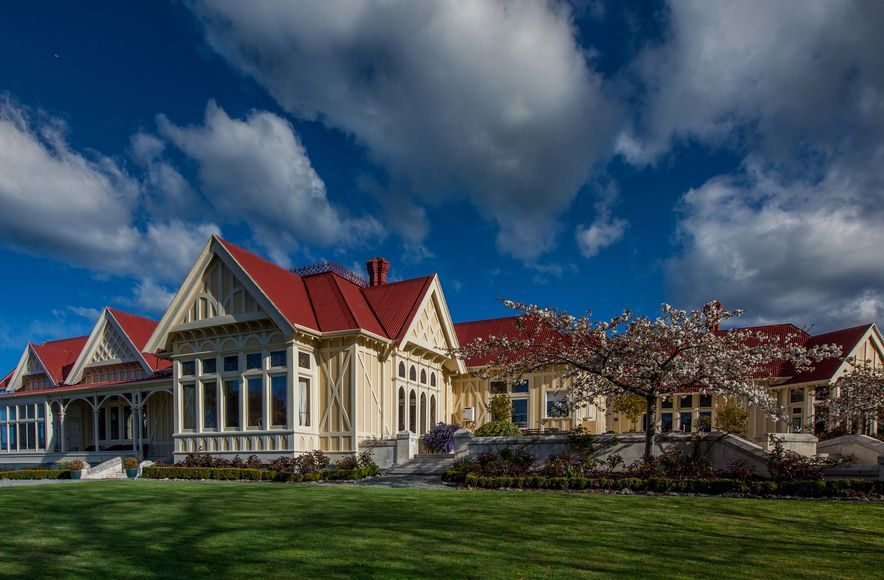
(257,171)
(605,230)
(798,250)
(758,73)
(495,100)
(81,208)
(58,202)
(151,297)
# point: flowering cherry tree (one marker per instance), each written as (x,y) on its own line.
(677,352)
(859,399)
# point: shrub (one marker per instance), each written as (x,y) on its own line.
(36,474)
(78,464)
(506,462)
(130,463)
(440,439)
(253,462)
(738,470)
(500,407)
(217,473)
(786,465)
(313,462)
(732,419)
(499,429)
(285,464)
(674,463)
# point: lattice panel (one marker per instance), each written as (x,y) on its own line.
(428,328)
(113,346)
(34,365)
(113,373)
(221,293)
(34,382)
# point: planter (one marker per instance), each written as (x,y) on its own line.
(76,473)
(132,473)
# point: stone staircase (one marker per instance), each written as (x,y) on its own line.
(434,464)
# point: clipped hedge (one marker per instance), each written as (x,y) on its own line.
(219,473)
(810,488)
(244,474)
(36,474)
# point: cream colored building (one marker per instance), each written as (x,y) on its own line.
(251,358)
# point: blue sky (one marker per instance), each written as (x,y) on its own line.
(588,155)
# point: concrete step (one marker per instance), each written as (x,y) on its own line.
(423,465)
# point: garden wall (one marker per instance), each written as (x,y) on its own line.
(720,448)
(866,449)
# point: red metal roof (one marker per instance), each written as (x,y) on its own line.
(139,329)
(327,302)
(846,338)
(467,332)
(396,304)
(777,368)
(59,356)
(285,290)
(164,377)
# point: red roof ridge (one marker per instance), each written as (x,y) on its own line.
(484,320)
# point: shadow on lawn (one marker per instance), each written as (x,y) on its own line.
(164,529)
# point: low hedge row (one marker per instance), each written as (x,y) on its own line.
(36,474)
(809,488)
(240,474)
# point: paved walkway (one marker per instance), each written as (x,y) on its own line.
(413,481)
(24,482)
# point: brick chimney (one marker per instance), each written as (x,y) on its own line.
(378,268)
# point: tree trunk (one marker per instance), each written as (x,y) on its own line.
(650,427)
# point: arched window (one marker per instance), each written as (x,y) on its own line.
(412,412)
(401,409)
(423,377)
(402,369)
(432,409)
(432,379)
(423,419)
(412,373)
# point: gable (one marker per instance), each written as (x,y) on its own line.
(427,327)
(869,349)
(221,293)
(113,347)
(35,375)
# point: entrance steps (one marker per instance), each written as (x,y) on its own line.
(430,464)
(110,469)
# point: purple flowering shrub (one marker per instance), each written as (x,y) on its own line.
(440,439)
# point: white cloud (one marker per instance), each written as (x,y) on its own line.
(80,209)
(150,297)
(760,73)
(599,235)
(807,251)
(493,100)
(59,203)
(257,171)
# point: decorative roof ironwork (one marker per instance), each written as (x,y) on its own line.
(323,267)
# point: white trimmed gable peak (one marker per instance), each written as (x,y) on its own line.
(108,344)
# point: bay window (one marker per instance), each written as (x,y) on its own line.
(210,405)
(278,401)
(23,427)
(254,400)
(231,409)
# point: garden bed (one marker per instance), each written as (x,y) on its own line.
(36,474)
(839,488)
(246,474)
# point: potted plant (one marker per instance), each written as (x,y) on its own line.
(130,464)
(77,468)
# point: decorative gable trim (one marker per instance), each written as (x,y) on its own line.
(435,297)
(15,383)
(94,342)
(874,336)
(190,290)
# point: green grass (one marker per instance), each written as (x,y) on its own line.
(182,529)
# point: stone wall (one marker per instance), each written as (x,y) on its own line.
(720,448)
(866,449)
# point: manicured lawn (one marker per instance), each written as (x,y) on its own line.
(183,529)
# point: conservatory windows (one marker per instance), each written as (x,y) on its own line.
(520,412)
(278,358)
(253,360)
(209,366)
(303,402)
(23,427)
(278,400)
(254,397)
(188,398)
(231,409)
(210,405)
(231,363)
(557,404)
